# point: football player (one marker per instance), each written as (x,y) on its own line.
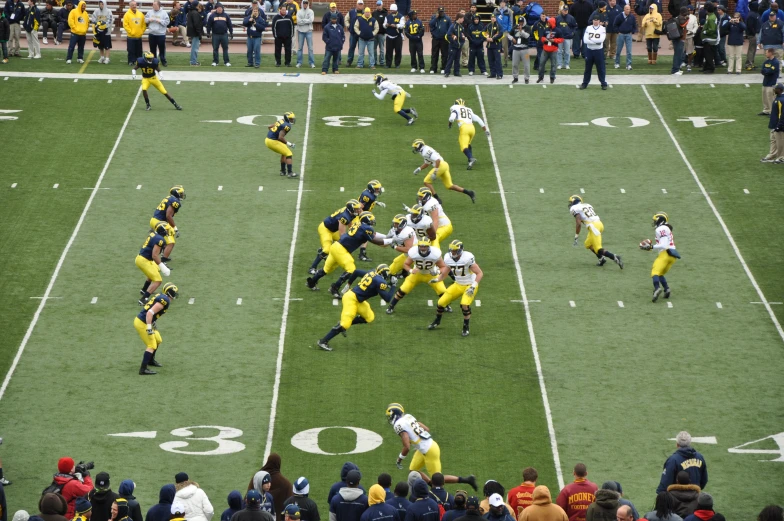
(145,324)
(665,245)
(404,238)
(368,199)
(465,125)
(165,212)
(427,453)
(276,141)
(356,309)
(332,227)
(467,273)
(433,207)
(150,65)
(423,258)
(584,214)
(398,97)
(149,261)
(360,232)
(440,170)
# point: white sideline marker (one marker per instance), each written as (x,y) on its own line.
(383,302)
(669,305)
(712,86)
(677,85)
(582,190)
(623,191)
(478,303)
(67,248)
(278,86)
(709,440)
(410,86)
(342,189)
(529,322)
(664,190)
(94,300)
(745,191)
(220,188)
(13,185)
(39,79)
(443,86)
(245,83)
(430,303)
(5,79)
(76,80)
(213,83)
(620,303)
(138,187)
(261,188)
(191,300)
(109,81)
(544,86)
(747,85)
(178,82)
(56,185)
(534,301)
(718,305)
(239,301)
(511,86)
(334,302)
(572,304)
(344,85)
(541,190)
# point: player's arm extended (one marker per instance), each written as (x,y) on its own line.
(380,95)
(452,116)
(476,119)
(381,240)
(355,275)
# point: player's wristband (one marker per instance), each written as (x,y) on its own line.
(400,457)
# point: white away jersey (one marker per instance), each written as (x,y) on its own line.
(391,88)
(464,115)
(433,204)
(421,227)
(585,211)
(663,239)
(424,263)
(401,238)
(429,155)
(420,438)
(461,268)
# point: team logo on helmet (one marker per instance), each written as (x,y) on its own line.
(456,249)
(367,218)
(393,412)
(170,289)
(375,186)
(289,117)
(417,145)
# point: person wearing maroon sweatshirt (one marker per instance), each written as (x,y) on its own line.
(576,497)
(550,41)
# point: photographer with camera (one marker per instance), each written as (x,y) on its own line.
(73,480)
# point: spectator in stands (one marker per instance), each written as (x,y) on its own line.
(366,28)
(333,9)
(472,511)
(78,22)
(542,508)
(307,507)
(771,35)
(467,21)
(424,508)
(722,19)
(437,491)
(305,19)
(347,467)
(271,5)
(550,40)
(52,507)
(575,497)
(102,497)
(458,509)
(350,20)
(253,510)
(567,25)
(394,43)
(522,496)
(15,18)
(134,25)
(120,510)
(439,26)
(280,488)
(494,35)
(581,11)
(663,509)
(380,14)
(333,36)
(219,24)
(684,458)
(606,504)
(684,494)
(705,511)
(520,36)
(385,480)
(49,21)
(83,510)
(235,502)
(157,21)
(195,27)
(601,13)
(62,21)
(455,39)
(74,483)
(378,509)
(177,25)
(540,27)
(498,510)
(282,32)
(31,23)
(194,501)
(5,33)
(400,500)
(161,511)
(504,16)
(256,22)
(735,31)
(651,23)
(769,513)
(209,7)
(261,483)
(610,43)
(476,47)
(710,37)
(491,487)
(103,16)
(350,502)
(292,8)
(414,31)
(752,28)
(126,492)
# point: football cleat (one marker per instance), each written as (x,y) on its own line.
(575,199)
(465,331)
(155,363)
(424,247)
(656,293)
(471,163)
(367,218)
(364,258)
(471,194)
(410,122)
(4,481)
(660,218)
(170,289)
(312,284)
(334,291)
(471,480)
(424,195)
(416,212)
(375,186)
(289,117)
(312,271)
(148,57)
(448,309)
(146,371)
(394,412)
(414,112)
(417,145)
(667,293)
(354,206)
(323,345)
(619,261)
(602,261)
(460,101)
(456,249)
(390,310)
(177,191)
(434,324)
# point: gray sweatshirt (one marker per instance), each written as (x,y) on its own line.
(305,20)
(103,15)
(157,21)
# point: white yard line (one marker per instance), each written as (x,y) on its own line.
(716,213)
(532,336)
(60,262)
(287,296)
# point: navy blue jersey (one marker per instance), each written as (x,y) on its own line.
(356,236)
(159,298)
(152,240)
(160,212)
(343,215)
(370,285)
(148,69)
(368,200)
(274,132)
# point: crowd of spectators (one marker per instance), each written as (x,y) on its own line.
(270,496)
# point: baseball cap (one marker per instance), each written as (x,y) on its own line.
(333,4)
(353,477)
(564,7)
(333,16)
(102,480)
(440,9)
(393,7)
(412,14)
(301,486)
(360,1)
(472,502)
(292,511)
(496,500)
(367,10)
(379,2)
(253,497)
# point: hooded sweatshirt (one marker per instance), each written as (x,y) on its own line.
(267,501)
(651,22)
(347,467)
(705,515)
(102,15)
(52,507)
(162,510)
(235,505)
(605,506)
(348,504)
(157,21)
(554,35)
(126,491)
(79,21)
(281,488)
(424,508)
(542,508)
(196,504)
(134,23)
(684,498)
(379,510)
(101,500)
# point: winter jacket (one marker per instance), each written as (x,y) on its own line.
(605,506)
(325,20)
(79,22)
(351,18)
(267,501)
(581,10)
(504,19)
(705,515)
(235,505)
(5,29)
(771,35)
(49,16)
(752,23)
(567,24)
(162,510)
(134,23)
(308,508)
(414,29)
(393,22)
(104,15)
(651,516)
(378,509)
(721,22)
(333,37)
(157,21)
(219,23)
(348,505)
(282,26)
(102,500)
(366,27)
(252,514)
(735,32)
(542,508)
(256,26)
(381,16)
(197,505)
(601,15)
(454,514)
(439,26)
(575,497)
(280,486)
(684,497)
(195,24)
(52,507)
(72,487)
(504,516)
(456,36)
(612,14)
(495,33)
(18,12)
(521,36)
(766,14)
(32,20)
(552,37)
(476,37)
(540,28)
(347,467)
(423,509)
(126,492)
(710,35)
(626,24)
(686,458)
(305,19)
(651,22)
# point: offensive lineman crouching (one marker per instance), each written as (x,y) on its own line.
(467,275)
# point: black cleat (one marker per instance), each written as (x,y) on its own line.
(465,331)
(656,293)
(177,107)
(364,257)
(312,284)
(283,174)
(390,310)
(448,309)
(471,480)
(334,291)
(602,261)
(155,363)
(434,324)
(471,163)
(667,293)
(312,271)
(141,302)
(323,345)
(472,195)
(619,261)
(148,107)
(146,371)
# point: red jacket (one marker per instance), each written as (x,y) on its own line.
(73,489)
(555,39)
(576,497)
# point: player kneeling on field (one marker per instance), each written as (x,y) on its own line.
(150,67)
(467,275)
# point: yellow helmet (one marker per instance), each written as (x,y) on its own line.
(393,412)
(289,117)
(417,145)
(459,101)
(170,289)
(574,199)
(367,218)
(177,191)
(378,78)
(354,206)
(660,218)
(149,57)
(383,270)
(161,228)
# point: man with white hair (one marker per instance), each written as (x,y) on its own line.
(684,458)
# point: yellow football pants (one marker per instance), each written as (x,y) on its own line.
(151,341)
(416,279)
(149,268)
(457,290)
(430,461)
(352,308)
(277,146)
(339,256)
(593,241)
(662,264)
(326,237)
(169,237)
(442,173)
(397,103)
(442,232)
(155,82)
(465,136)
(398,263)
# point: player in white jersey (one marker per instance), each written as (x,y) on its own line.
(415,435)
(466,118)
(440,170)
(398,97)
(423,259)
(404,238)
(422,224)
(467,274)
(584,214)
(665,245)
(436,212)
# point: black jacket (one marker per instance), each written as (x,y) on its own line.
(102,500)
(307,507)
(381,17)
(581,10)
(195,24)
(282,26)
(252,515)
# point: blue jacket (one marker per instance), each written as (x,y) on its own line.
(8,8)
(494,32)
(19,13)
(414,29)
(423,509)
(771,35)
(766,14)
(162,510)
(452,515)
(255,28)
(504,19)
(219,23)
(235,505)
(626,25)
(735,32)
(348,505)
(31,18)
(347,466)
(567,24)
(442,497)
(688,459)
(505,516)
(401,504)
(457,31)
(770,73)
(334,38)
(380,512)
(366,28)
(612,14)
(439,26)
(392,21)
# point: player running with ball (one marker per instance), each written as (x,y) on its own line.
(665,245)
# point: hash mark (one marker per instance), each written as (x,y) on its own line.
(13,185)
(190,300)
(342,189)
(138,187)
(712,86)
(212,83)
(718,305)
(572,304)
(178,82)
(239,301)
(747,85)
(261,188)
(478,303)
(94,300)
(245,83)
(109,81)
(383,303)
(745,191)
(620,303)
(334,302)
(56,185)
(443,86)
(582,191)
(541,190)
(623,191)
(430,303)
(220,188)
(76,80)
(664,190)
(669,304)
(677,85)
(344,85)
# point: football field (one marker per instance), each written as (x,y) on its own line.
(566,361)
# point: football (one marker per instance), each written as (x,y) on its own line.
(645,244)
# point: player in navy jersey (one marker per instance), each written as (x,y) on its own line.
(369,199)
(150,65)
(146,325)
(149,261)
